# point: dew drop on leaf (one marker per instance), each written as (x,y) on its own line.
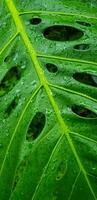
(94,168)
(17,91)
(33,83)
(48,112)
(23,66)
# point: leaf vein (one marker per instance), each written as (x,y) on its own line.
(67,59)
(74,92)
(56,13)
(9,42)
(15,130)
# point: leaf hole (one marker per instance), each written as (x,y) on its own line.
(62,169)
(62,33)
(6,59)
(86,78)
(51,67)
(82,47)
(19,171)
(35,21)
(36,126)
(11,107)
(83,112)
(10,80)
(84,23)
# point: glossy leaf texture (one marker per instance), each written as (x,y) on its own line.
(48,100)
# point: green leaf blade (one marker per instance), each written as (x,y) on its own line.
(58,163)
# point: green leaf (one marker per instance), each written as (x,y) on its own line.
(48,100)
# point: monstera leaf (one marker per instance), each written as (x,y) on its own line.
(48,100)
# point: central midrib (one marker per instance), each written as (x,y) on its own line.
(32,53)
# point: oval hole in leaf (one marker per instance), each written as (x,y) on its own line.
(51,67)
(83,112)
(82,47)
(84,23)
(62,169)
(86,78)
(10,80)
(19,172)
(62,33)
(35,21)
(36,126)
(6,59)
(11,107)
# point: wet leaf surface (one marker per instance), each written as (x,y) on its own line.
(48,100)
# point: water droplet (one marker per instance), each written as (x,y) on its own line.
(22,82)
(53,167)
(23,66)
(48,112)
(65,78)
(15,57)
(3,120)
(5,99)
(94,168)
(17,91)
(16,114)
(27,23)
(33,83)
(20,103)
